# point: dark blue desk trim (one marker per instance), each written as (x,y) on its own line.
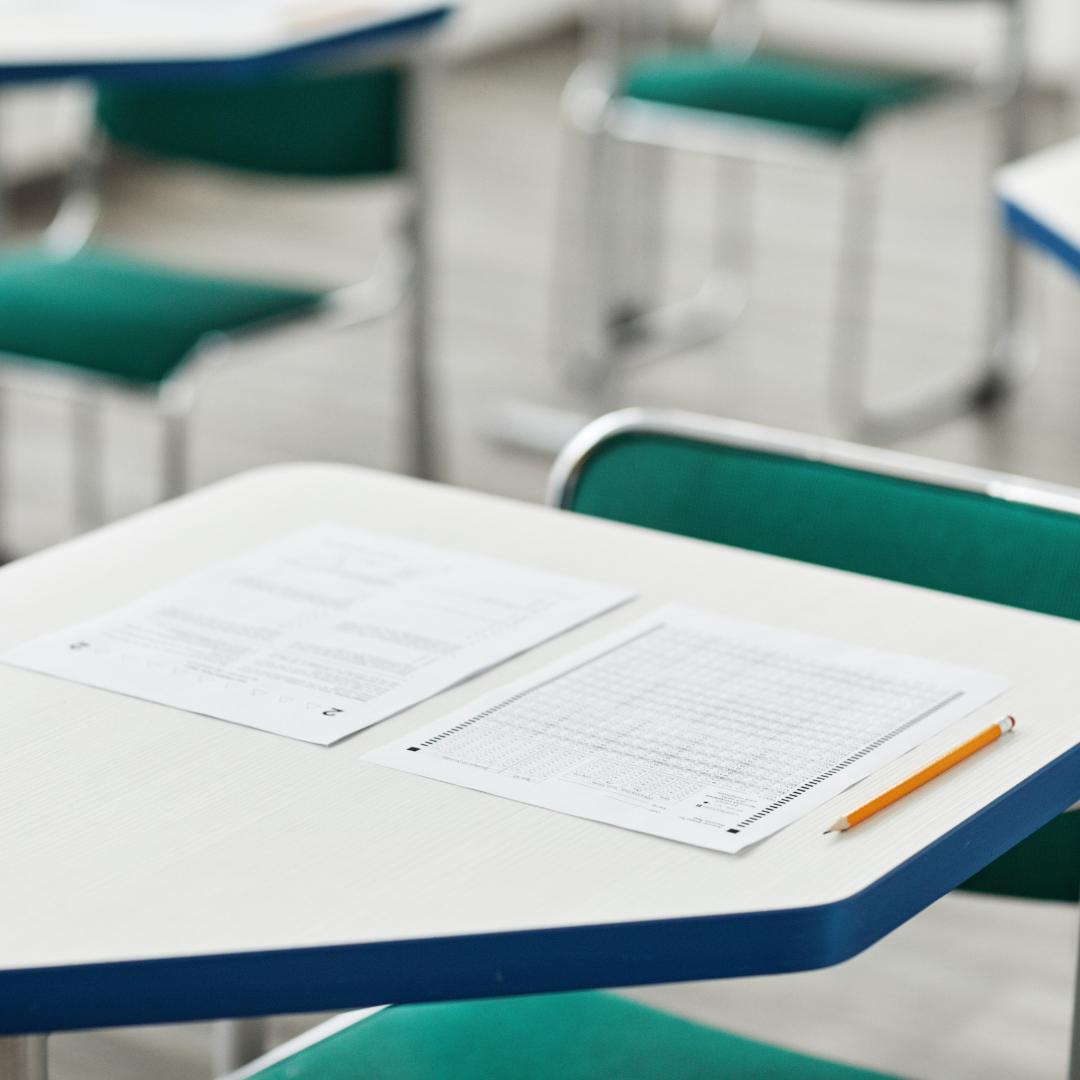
(1034,231)
(229,68)
(532,961)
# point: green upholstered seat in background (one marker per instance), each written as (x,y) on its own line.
(120,317)
(106,313)
(919,533)
(342,125)
(583,1036)
(832,101)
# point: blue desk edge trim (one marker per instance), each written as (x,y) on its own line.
(531,961)
(242,67)
(1035,232)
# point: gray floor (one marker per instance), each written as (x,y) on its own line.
(974,987)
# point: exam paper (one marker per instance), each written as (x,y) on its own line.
(693,726)
(320,633)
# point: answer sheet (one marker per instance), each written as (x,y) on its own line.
(320,633)
(694,726)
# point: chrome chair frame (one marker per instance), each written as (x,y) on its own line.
(616,331)
(564,472)
(402,270)
(567,468)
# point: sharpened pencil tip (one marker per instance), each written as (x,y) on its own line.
(838,826)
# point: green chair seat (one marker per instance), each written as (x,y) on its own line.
(924,534)
(828,100)
(106,313)
(582,1036)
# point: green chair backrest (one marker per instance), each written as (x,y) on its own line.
(912,531)
(587,1035)
(338,125)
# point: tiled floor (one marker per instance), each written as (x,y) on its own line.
(974,987)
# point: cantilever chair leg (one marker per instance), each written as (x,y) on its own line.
(640,241)
(89,463)
(23,1057)
(1005,364)
(592,371)
(998,374)
(626,205)
(618,322)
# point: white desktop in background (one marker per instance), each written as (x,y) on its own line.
(1045,189)
(55,31)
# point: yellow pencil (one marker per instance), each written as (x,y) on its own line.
(935,768)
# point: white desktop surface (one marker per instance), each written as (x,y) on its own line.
(131,830)
(58,32)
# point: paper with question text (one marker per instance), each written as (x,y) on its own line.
(319,633)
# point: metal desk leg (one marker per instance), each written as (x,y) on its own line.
(87,450)
(22,1057)
(235,1043)
(175,400)
(1005,363)
(1074,1045)
(420,450)
(3,485)
(174,455)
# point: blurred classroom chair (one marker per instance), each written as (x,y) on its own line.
(109,323)
(636,97)
(928,523)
